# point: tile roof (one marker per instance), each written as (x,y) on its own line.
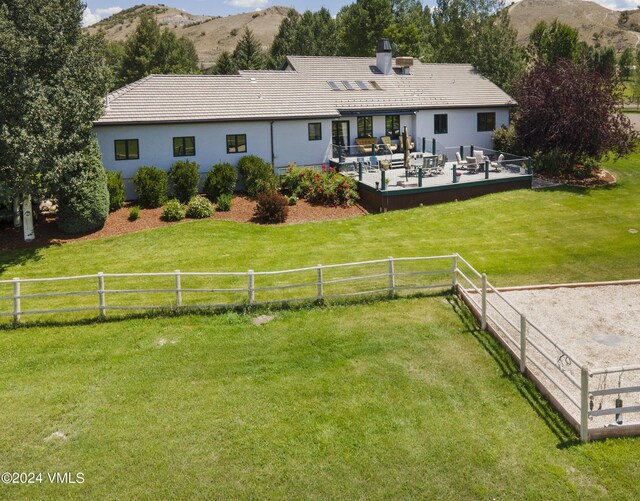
(301,92)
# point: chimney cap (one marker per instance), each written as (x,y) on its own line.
(383,45)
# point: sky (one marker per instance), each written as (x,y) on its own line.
(100,9)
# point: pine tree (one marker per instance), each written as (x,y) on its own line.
(224,65)
(248,54)
(140,50)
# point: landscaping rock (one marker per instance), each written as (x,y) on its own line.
(262,319)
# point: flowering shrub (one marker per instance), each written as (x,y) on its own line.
(199,208)
(325,188)
(272,207)
(173,210)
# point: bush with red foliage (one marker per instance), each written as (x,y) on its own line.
(572,113)
(272,207)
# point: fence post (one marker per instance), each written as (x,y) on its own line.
(529,165)
(584,405)
(471,150)
(16,300)
(101,294)
(424,144)
(523,343)
(320,284)
(455,174)
(420,177)
(392,277)
(383,181)
(462,152)
(178,289)
(454,270)
(483,323)
(250,287)
(486,169)
(359,171)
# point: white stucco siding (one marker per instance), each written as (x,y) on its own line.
(291,142)
(462,127)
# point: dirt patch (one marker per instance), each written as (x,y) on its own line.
(47,233)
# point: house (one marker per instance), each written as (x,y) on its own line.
(296,114)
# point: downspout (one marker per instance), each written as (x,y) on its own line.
(273,156)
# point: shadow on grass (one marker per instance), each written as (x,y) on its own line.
(18,257)
(510,370)
(243,310)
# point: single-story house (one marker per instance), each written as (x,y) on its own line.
(298,113)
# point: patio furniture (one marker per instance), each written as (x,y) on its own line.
(373,164)
(461,163)
(472,164)
(366,144)
(385,164)
(497,166)
(409,142)
(386,141)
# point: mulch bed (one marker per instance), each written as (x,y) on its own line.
(600,178)
(47,233)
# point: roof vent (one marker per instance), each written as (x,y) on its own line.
(384,57)
(405,64)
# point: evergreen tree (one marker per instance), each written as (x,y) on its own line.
(361,25)
(626,63)
(549,43)
(53,79)
(224,65)
(248,54)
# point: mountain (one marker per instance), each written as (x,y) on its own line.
(594,22)
(211,34)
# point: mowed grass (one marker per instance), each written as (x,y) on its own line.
(392,399)
(395,399)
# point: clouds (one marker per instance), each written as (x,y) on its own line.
(89,18)
(619,4)
(249,4)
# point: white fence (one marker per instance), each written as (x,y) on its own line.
(569,384)
(563,379)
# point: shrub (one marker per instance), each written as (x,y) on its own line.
(293,200)
(326,187)
(224,202)
(257,175)
(151,186)
(184,176)
(506,139)
(83,203)
(554,162)
(199,208)
(173,210)
(115,185)
(221,179)
(272,207)
(134,213)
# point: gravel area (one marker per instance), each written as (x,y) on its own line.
(596,326)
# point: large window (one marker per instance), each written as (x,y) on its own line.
(392,126)
(365,126)
(315,131)
(237,143)
(184,146)
(340,133)
(127,149)
(486,121)
(441,124)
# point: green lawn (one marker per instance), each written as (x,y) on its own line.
(390,399)
(393,399)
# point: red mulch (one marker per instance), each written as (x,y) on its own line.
(47,233)
(598,178)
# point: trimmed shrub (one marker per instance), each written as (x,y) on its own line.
(257,175)
(115,185)
(199,208)
(224,202)
(272,207)
(293,200)
(134,213)
(326,187)
(173,210)
(220,180)
(83,203)
(151,186)
(553,163)
(506,139)
(184,176)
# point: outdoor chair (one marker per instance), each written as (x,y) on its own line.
(386,140)
(366,144)
(373,164)
(409,142)
(472,164)
(462,164)
(497,166)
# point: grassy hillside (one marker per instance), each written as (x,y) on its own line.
(211,34)
(588,18)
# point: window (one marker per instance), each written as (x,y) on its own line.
(392,126)
(365,126)
(441,124)
(127,149)
(237,143)
(315,131)
(486,121)
(340,134)
(184,146)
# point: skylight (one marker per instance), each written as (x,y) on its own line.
(333,85)
(375,85)
(362,85)
(347,85)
